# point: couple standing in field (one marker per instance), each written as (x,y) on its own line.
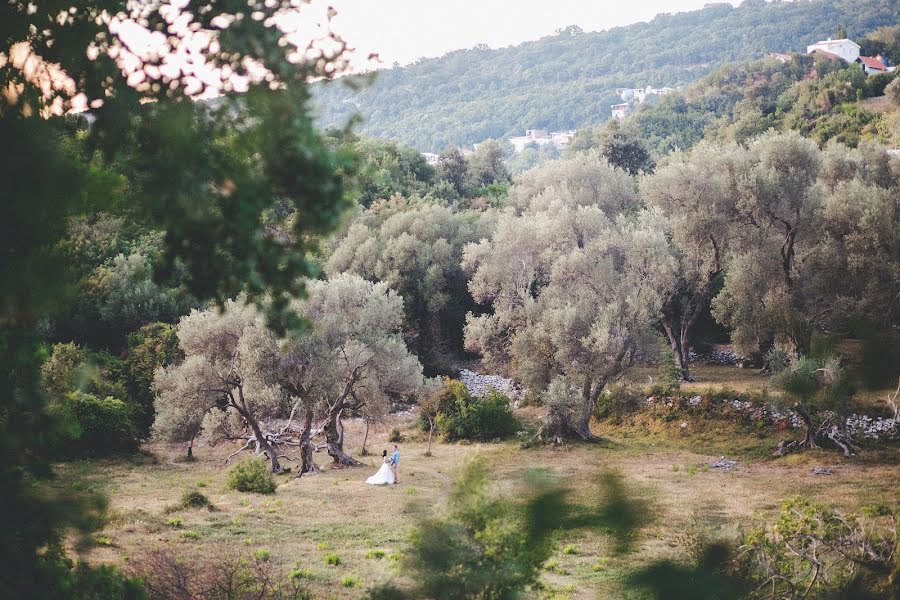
(389,472)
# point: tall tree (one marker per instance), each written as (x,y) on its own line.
(352,357)
(454,169)
(204,175)
(696,192)
(577,306)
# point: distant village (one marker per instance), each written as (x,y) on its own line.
(842,49)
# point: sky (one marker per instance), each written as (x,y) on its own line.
(405,30)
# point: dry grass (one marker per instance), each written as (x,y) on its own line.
(337,513)
(878,105)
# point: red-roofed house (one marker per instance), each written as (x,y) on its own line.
(872,65)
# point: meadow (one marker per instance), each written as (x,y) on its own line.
(334,517)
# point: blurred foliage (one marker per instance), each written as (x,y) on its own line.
(204,176)
(493,547)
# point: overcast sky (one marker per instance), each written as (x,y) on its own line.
(404,30)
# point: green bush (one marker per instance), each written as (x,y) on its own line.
(464,417)
(616,402)
(99,425)
(252,475)
(194,499)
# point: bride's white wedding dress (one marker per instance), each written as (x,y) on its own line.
(384,475)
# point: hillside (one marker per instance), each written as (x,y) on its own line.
(567,80)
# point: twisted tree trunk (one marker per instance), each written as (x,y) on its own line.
(334,437)
(307,465)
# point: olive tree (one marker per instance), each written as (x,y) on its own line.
(222,386)
(415,247)
(697,192)
(777,211)
(585,179)
(814,239)
(352,357)
(574,296)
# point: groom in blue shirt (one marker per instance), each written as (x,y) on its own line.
(395,464)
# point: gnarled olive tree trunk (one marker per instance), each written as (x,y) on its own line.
(307,464)
(334,436)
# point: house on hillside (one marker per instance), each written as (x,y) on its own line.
(540,137)
(620,111)
(847,50)
(873,65)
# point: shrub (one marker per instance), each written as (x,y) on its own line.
(349,581)
(99,425)
(262,554)
(152,346)
(892,91)
(496,547)
(226,576)
(333,559)
(252,475)
(377,554)
(464,417)
(777,360)
(616,402)
(669,373)
(395,437)
(815,548)
(194,499)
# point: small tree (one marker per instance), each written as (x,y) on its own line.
(429,407)
(813,386)
(222,384)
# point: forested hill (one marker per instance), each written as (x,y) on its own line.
(567,80)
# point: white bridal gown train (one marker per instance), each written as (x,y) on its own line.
(384,476)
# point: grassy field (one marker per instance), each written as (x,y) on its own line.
(337,513)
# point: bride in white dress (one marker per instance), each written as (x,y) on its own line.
(384,475)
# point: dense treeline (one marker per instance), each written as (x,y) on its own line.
(567,81)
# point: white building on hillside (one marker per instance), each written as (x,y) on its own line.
(620,111)
(639,95)
(845,49)
(540,137)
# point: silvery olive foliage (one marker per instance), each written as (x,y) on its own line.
(574,289)
(415,247)
(237,374)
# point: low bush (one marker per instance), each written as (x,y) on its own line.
(97,425)
(823,551)
(226,576)
(333,559)
(617,402)
(461,416)
(194,499)
(65,578)
(252,475)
